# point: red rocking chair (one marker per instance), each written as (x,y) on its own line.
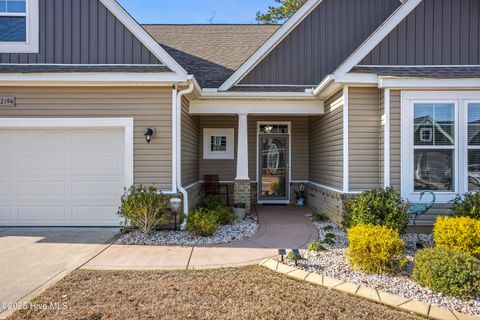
(212,187)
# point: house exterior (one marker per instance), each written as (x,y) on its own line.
(346,96)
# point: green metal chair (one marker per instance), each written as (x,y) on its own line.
(416,210)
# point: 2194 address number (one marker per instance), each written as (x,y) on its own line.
(7,101)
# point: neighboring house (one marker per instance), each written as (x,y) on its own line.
(346,96)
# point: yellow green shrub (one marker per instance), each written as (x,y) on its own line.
(376,249)
(458,233)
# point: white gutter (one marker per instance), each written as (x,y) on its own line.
(178,149)
(324,84)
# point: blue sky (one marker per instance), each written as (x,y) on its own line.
(195,11)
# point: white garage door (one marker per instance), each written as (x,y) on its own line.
(61,177)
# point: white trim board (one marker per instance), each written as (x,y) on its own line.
(143,36)
(270,44)
(346,161)
(312,107)
(426,83)
(87,78)
(386,138)
(126,123)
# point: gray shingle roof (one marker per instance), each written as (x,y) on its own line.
(211,52)
(45,68)
(423,71)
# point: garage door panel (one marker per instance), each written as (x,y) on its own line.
(41,162)
(64,177)
(96,189)
(95,163)
(42,188)
(42,213)
(6,213)
(94,213)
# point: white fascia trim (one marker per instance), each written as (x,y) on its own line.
(143,36)
(174,138)
(375,38)
(315,107)
(346,174)
(386,139)
(357,78)
(32,43)
(425,83)
(126,123)
(270,44)
(213,94)
(90,78)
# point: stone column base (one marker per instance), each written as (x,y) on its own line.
(241,192)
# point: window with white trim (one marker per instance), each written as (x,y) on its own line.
(218,143)
(440,149)
(19,26)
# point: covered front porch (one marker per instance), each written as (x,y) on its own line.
(260,158)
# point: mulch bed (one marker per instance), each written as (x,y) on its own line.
(235,293)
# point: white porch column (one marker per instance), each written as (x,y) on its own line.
(242,193)
(242,149)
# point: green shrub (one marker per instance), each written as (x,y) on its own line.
(375,249)
(144,208)
(461,234)
(329,239)
(224,215)
(213,202)
(451,272)
(320,217)
(378,207)
(328,228)
(466,206)
(290,256)
(315,246)
(203,222)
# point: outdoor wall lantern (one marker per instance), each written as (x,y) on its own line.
(175,204)
(149,134)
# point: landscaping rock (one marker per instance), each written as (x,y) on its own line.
(332,263)
(238,230)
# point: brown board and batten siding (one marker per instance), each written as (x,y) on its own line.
(321,42)
(226,169)
(363,146)
(326,145)
(190,145)
(82,32)
(150,107)
(436,32)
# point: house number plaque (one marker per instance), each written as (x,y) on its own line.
(7,101)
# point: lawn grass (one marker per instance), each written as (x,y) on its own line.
(236,293)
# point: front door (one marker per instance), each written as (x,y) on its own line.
(274,164)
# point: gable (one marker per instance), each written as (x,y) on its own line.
(82,32)
(321,42)
(436,32)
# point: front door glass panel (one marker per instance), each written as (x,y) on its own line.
(274,167)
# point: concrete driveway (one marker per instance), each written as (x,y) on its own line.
(32,259)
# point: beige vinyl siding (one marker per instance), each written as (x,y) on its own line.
(150,107)
(395,111)
(190,145)
(364,122)
(326,145)
(226,169)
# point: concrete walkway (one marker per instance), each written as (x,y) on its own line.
(280,227)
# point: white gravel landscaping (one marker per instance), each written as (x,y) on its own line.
(333,263)
(238,230)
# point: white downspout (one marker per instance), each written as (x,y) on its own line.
(178,150)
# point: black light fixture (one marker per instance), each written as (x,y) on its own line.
(149,134)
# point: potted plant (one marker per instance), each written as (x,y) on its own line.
(300,196)
(240,210)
